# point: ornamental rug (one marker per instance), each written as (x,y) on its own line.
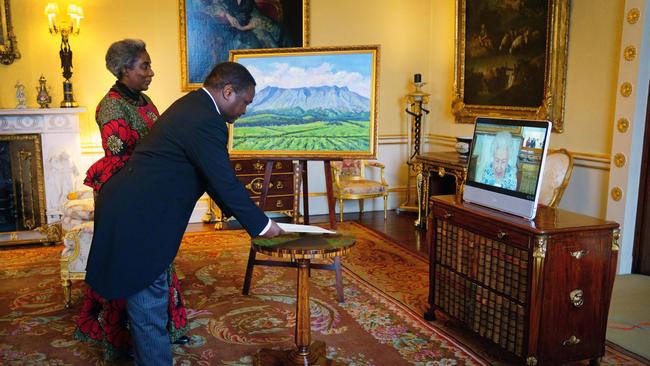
(379,323)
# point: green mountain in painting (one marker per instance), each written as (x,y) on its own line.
(324,118)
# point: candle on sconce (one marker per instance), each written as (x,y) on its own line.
(417,78)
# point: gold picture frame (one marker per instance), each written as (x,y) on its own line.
(209,32)
(8,49)
(506,69)
(315,103)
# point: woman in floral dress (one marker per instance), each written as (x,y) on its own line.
(124,116)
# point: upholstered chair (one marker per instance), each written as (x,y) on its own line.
(557,172)
(350,183)
(77,226)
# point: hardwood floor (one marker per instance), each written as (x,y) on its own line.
(399,227)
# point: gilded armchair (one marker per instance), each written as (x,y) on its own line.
(350,183)
(557,172)
(77,225)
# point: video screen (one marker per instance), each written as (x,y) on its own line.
(507,157)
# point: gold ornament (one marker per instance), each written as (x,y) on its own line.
(626,89)
(619,160)
(633,15)
(629,53)
(623,124)
(617,194)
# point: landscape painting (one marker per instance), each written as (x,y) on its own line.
(310,103)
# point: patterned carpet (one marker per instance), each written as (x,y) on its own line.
(379,324)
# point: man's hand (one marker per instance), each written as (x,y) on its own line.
(274,230)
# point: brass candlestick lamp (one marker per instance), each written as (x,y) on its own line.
(67,28)
(415,110)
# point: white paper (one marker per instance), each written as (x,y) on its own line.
(293,228)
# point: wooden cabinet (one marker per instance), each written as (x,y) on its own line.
(282,187)
(539,290)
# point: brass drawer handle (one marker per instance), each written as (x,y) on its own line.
(238,167)
(448,215)
(576,298)
(573,340)
(579,253)
(279,204)
(501,234)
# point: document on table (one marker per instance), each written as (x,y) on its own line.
(293,228)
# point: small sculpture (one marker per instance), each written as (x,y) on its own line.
(20,95)
(43,98)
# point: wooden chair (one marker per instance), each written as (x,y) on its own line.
(557,172)
(350,183)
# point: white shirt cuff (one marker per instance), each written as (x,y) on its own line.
(266,228)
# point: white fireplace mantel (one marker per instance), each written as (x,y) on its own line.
(60,145)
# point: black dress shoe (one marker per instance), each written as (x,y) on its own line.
(182,340)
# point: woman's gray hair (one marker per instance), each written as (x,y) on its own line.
(123,54)
(502,141)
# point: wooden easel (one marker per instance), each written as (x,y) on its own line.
(302,173)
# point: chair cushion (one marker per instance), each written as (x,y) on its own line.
(80,209)
(362,186)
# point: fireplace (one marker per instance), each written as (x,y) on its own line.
(22,195)
(39,155)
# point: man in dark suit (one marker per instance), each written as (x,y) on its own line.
(141,213)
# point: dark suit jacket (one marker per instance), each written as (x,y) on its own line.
(142,212)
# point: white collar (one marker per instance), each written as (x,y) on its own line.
(213,101)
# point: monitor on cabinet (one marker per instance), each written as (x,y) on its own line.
(506,164)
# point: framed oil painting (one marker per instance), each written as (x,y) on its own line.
(8,50)
(511,60)
(211,28)
(310,103)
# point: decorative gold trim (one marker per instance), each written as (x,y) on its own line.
(538,262)
(626,89)
(617,193)
(619,160)
(622,124)
(629,53)
(616,236)
(540,248)
(633,15)
(552,104)
(182,42)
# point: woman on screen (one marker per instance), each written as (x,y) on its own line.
(499,172)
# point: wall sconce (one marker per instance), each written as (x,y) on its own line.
(67,28)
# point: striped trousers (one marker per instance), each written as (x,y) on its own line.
(148,317)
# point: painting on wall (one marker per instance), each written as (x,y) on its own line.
(8,49)
(311,103)
(211,28)
(511,60)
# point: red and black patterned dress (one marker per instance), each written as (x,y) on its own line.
(123,117)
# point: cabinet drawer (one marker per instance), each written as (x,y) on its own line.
(276,203)
(491,230)
(257,166)
(279,184)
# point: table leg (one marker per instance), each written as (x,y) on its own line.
(306,353)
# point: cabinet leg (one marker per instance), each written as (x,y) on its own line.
(595,361)
(430,315)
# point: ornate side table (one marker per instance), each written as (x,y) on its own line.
(301,248)
(445,163)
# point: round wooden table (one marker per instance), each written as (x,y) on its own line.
(301,248)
